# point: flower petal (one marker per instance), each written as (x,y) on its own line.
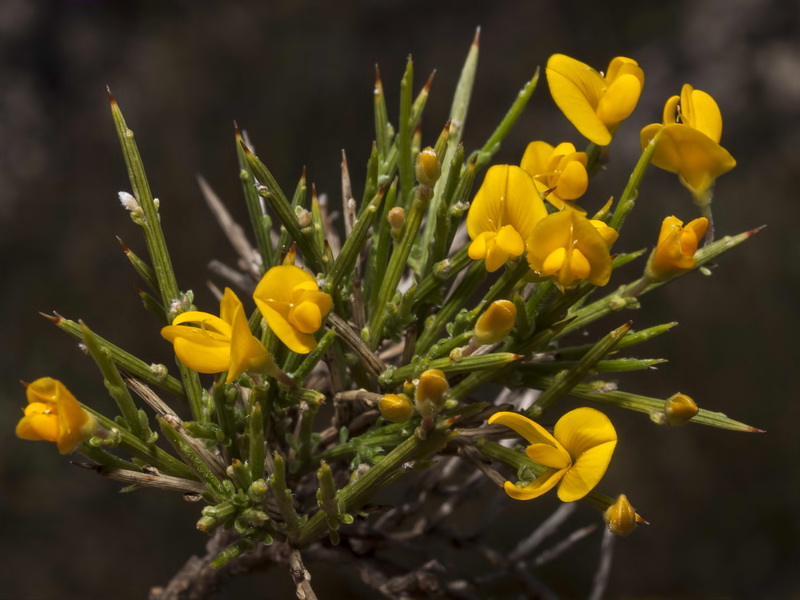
(530,430)
(542,484)
(197,351)
(297,341)
(246,352)
(619,100)
(582,429)
(586,472)
(576,89)
(549,456)
(700,111)
(279,282)
(536,157)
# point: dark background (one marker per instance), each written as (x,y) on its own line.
(298,77)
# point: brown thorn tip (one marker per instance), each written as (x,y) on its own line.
(377,75)
(752,232)
(428,83)
(124,246)
(111,98)
(476,40)
(303,174)
(236,129)
(24,383)
(757,430)
(55,317)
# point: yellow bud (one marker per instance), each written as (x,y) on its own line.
(495,323)
(428,169)
(680,409)
(396,218)
(396,408)
(620,517)
(431,392)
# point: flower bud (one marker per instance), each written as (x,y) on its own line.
(396,408)
(496,322)
(620,517)
(680,409)
(431,392)
(428,169)
(396,218)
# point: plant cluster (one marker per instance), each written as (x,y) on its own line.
(346,362)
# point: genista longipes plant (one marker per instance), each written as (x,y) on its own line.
(337,365)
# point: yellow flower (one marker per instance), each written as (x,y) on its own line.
(689,142)
(609,234)
(562,170)
(674,253)
(396,408)
(568,247)
(593,103)
(290,300)
(54,415)
(577,454)
(210,344)
(502,215)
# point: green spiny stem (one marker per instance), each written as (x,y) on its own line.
(593,155)
(308,440)
(405,162)
(451,168)
(460,201)
(604,393)
(327,500)
(353,245)
(558,309)
(628,197)
(313,357)
(382,127)
(317,223)
(240,474)
(564,383)
(151,224)
(379,249)
(257,454)
(191,457)
(397,264)
(446,346)
(360,489)
(259,221)
(633,338)
(458,300)
(620,260)
(154,307)
(116,386)
(443,197)
(416,114)
(275,197)
(149,453)
(371,184)
(620,299)
(298,202)
(540,293)
(225,417)
(144,270)
(283,498)
(502,287)
(615,365)
(443,272)
(102,457)
(492,145)
(469,364)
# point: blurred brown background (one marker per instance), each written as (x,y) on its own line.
(298,77)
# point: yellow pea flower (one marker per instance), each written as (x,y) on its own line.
(595,103)
(502,215)
(674,252)
(290,300)
(576,454)
(561,169)
(608,233)
(568,247)
(689,142)
(54,415)
(210,344)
